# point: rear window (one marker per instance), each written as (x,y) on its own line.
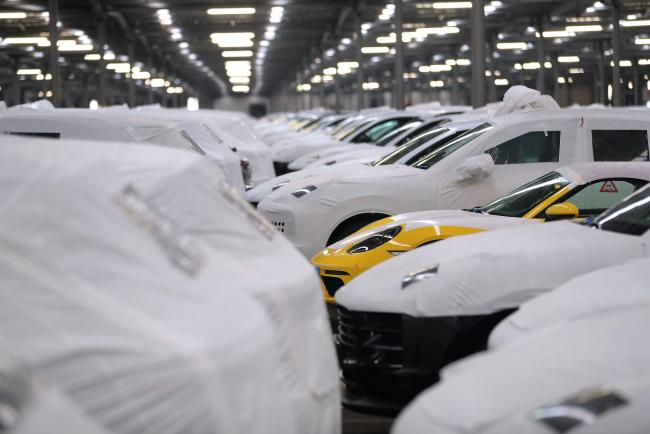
(532,147)
(379,130)
(620,145)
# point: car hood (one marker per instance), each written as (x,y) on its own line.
(304,160)
(599,291)
(548,375)
(437,219)
(367,155)
(486,272)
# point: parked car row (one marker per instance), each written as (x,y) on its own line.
(140,290)
(493,280)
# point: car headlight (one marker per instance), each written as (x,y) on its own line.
(303,191)
(376,240)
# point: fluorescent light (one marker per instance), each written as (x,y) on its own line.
(437,30)
(561,80)
(241,89)
(77,47)
(622,63)
(239,80)
(557,34)
(231,11)
(437,83)
(501,82)
(452,5)
(512,45)
(13,15)
(233,40)
(635,23)
(531,65)
(371,85)
(375,50)
(238,73)
(26,40)
(157,82)
(140,75)
(576,71)
(586,28)
(348,65)
(92,57)
(642,41)
(329,71)
(94,105)
(192,104)
(27,71)
(240,53)
(568,59)
(434,68)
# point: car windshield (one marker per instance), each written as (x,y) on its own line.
(631,216)
(396,132)
(410,146)
(352,129)
(443,151)
(518,202)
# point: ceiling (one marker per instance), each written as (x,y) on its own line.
(179,48)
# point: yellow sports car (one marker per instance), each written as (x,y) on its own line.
(578,191)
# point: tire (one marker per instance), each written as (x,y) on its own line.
(352,225)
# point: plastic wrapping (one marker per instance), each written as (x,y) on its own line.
(488,272)
(600,291)
(569,378)
(181,185)
(118,126)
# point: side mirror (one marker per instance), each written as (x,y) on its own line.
(474,169)
(562,211)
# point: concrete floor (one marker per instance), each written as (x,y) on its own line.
(358,423)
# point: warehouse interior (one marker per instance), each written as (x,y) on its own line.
(324,216)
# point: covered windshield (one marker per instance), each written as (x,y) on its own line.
(393,134)
(521,200)
(346,132)
(631,216)
(443,151)
(410,146)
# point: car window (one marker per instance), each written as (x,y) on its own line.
(418,131)
(450,147)
(352,129)
(620,145)
(433,146)
(409,147)
(630,216)
(532,147)
(378,131)
(523,199)
(396,132)
(595,197)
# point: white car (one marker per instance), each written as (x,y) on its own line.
(196,228)
(368,130)
(428,139)
(442,300)
(484,163)
(588,376)
(113,125)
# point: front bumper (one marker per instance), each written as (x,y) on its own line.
(386,359)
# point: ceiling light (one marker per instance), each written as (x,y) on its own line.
(568,59)
(329,71)
(92,57)
(635,23)
(576,71)
(240,89)
(231,11)
(157,82)
(371,85)
(239,80)
(241,53)
(501,82)
(375,50)
(557,34)
(437,83)
(531,65)
(140,75)
(586,28)
(13,15)
(622,63)
(512,45)
(77,47)
(26,71)
(26,40)
(452,5)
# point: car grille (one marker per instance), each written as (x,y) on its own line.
(332,284)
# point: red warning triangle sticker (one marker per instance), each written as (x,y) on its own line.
(608,187)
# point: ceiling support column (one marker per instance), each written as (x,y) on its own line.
(477,24)
(358,43)
(541,57)
(398,73)
(616,53)
(54,66)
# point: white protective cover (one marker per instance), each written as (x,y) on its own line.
(181,185)
(396,189)
(490,271)
(600,291)
(125,126)
(313,157)
(230,129)
(509,389)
